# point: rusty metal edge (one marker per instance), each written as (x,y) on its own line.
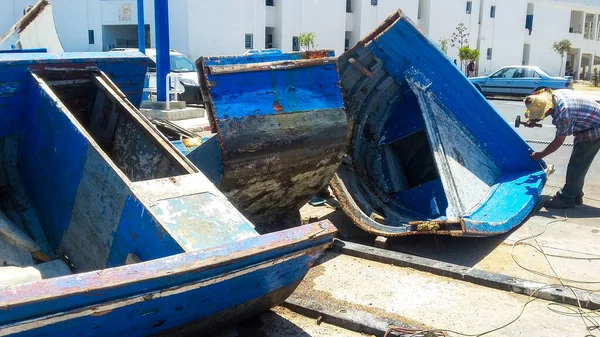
(476,276)
(267,66)
(147,127)
(361,220)
(343,317)
(383,27)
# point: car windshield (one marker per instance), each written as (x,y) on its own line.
(182,64)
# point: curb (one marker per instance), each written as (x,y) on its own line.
(587,300)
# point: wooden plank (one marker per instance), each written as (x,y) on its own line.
(267,66)
(142,122)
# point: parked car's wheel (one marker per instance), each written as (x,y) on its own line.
(478,88)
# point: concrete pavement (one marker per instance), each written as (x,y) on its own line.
(570,239)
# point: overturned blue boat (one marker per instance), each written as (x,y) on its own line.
(279,127)
(427,154)
(141,242)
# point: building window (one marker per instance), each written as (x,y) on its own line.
(469,5)
(91,37)
(529,23)
(270,2)
(373,2)
(269,41)
(348,6)
(489,53)
(346,44)
(493,12)
(249,41)
(295,43)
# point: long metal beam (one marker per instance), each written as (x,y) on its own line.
(557,294)
(163,64)
(141,27)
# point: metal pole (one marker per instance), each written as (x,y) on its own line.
(141,27)
(163,64)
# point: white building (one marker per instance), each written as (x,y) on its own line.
(507,32)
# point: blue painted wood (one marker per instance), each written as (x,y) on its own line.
(160,314)
(431,191)
(281,128)
(93,213)
(139,233)
(453,90)
(273,92)
(207,158)
(126,69)
(267,252)
(32,50)
(193,211)
(52,156)
(258,56)
(488,183)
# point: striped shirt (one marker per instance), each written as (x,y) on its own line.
(576,115)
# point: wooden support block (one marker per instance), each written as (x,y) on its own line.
(377,217)
(382,242)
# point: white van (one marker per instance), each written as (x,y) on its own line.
(179,64)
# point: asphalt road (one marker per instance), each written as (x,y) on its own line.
(510,109)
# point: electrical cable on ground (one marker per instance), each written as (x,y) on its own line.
(588,317)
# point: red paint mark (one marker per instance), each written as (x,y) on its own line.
(277,107)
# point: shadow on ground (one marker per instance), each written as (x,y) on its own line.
(461,251)
(263,326)
(579,212)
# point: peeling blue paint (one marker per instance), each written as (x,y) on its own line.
(139,233)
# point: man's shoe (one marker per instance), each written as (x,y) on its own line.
(558,203)
(579,200)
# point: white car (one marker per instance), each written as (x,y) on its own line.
(179,64)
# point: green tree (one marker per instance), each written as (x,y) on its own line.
(562,47)
(443,43)
(467,54)
(460,38)
(306,40)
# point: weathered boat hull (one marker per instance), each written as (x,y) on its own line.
(202,289)
(428,154)
(281,129)
(153,243)
(35,30)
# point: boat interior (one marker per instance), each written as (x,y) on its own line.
(419,160)
(87,183)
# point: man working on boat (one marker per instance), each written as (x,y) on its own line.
(572,115)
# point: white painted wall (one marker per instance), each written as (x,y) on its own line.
(325,18)
(179,32)
(370,17)
(546,32)
(445,15)
(505,34)
(423,16)
(219,27)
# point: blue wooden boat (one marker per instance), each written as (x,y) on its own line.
(151,243)
(428,153)
(280,130)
